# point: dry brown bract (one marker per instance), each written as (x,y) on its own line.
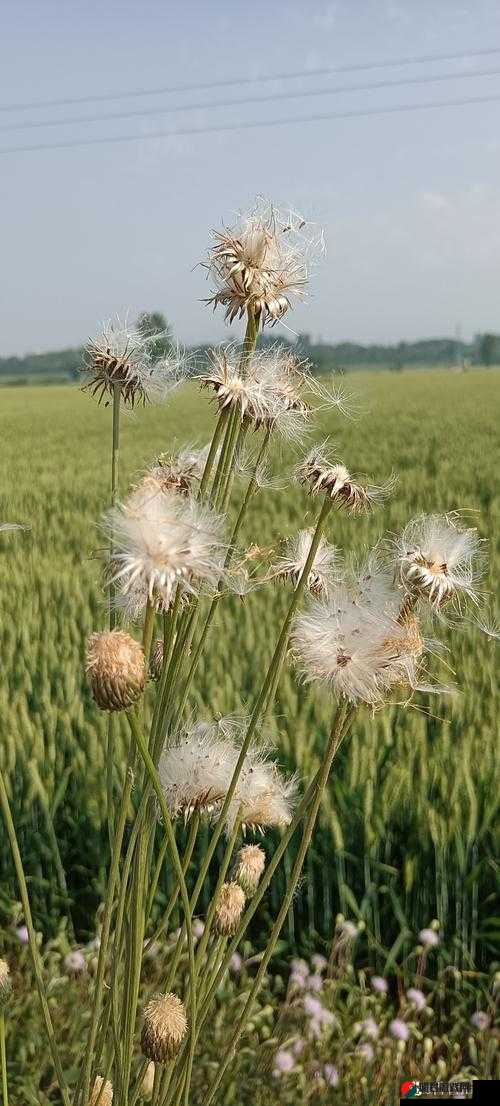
(116,668)
(165,1026)
(229,909)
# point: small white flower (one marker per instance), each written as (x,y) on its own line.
(121,355)
(360,653)
(162,541)
(437,560)
(326,474)
(261,263)
(324,568)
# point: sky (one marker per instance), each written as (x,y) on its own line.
(409,200)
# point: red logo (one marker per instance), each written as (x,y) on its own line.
(410,1089)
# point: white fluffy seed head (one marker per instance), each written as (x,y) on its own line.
(361,653)
(249,867)
(176,471)
(164,1028)
(229,909)
(104,1088)
(266,390)
(326,474)
(260,264)
(121,355)
(437,560)
(163,541)
(324,569)
(196,770)
(264,797)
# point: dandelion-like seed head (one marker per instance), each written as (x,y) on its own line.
(176,472)
(5,984)
(116,669)
(197,768)
(263,796)
(104,1088)
(437,560)
(359,652)
(265,388)
(164,1028)
(120,355)
(229,909)
(326,474)
(324,568)
(261,264)
(249,868)
(163,541)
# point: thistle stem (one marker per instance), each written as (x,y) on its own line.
(333,744)
(23,890)
(3,1062)
(110,743)
(219,429)
(186,860)
(154,780)
(270,681)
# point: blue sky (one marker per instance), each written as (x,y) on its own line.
(410,202)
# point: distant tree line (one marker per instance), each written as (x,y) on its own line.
(483,350)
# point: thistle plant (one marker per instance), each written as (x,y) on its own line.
(173,544)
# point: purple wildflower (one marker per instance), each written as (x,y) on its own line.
(75,962)
(379,984)
(365,1050)
(480,1020)
(429,938)
(330,1075)
(416,997)
(284,1062)
(399,1029)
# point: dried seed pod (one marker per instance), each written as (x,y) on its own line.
(249,868)
(116,668)
(147,1085)
(164,1028)
(229,909)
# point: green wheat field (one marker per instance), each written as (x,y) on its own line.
(415,791)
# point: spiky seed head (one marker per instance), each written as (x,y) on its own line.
(148,1082)
(197,767)
(360,652)
(249,868)
(266,390)
(229,909)
(324,568)
(326,474)
(104,1088)
(156,659)
(261,264)
(439,561)
(116,668)
(121,355)
(164,1028)
(176,472)
(5,984)
(163,541)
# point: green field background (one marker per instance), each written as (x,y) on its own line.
(407,827)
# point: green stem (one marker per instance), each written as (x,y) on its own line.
(155,781)
(333,744)
(270,681)
(3,1061)
(110,744)
(148,629)
(23,890)
(186,860)
(224,415)
(202,947)
(106,925)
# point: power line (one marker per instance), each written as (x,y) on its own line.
(252,125)
(285,76)
(270,97)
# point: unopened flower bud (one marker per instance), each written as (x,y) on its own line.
(104,1088)
(164,1028)
(229,909)
(116,669)
(250,866)
(147,1085)
(5,984)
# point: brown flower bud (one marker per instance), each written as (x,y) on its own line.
(148,1081)
(229,909)
(116,668)
(249,868)
(164,1028)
